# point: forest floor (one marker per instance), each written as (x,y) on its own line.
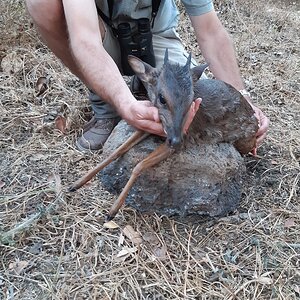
(53,245)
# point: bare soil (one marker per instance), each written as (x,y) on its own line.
(53,245)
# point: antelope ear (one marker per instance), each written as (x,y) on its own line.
(143,70)
(196,72)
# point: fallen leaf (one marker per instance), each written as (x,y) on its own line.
(11,63)
(38,157)
(290,222)
(61,124)
(121,240)
(126,251)
(160,252)
(57,180)
(41,86)
(110,225)
(264,280)
(133,235)
(151,238)
(18,266)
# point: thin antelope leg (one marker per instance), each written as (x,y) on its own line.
(158,155)
(134,139)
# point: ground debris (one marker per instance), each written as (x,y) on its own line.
(54,245)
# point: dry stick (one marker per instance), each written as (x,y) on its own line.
(197,262)
(240,289)
(61,253)
(26,278)
(293,190)
(294,157)
(5,237)
(241,217)
(35,191)
(241,20)
(187,263)
(163,273)
(49,285)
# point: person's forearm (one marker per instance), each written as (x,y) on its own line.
(220,56)
(101,74)
(218,50)
(96,68)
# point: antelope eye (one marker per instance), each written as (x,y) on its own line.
(162,100)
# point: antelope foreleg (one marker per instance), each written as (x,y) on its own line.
(159,154)
(134,139)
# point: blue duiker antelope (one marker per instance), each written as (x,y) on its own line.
(225,116)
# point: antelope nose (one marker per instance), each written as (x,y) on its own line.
(174,142)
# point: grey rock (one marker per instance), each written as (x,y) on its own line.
(200,180)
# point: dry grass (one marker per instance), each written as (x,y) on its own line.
(54,245)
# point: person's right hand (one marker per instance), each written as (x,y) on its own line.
(143,116)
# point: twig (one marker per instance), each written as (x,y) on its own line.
(21,227)
(293,190)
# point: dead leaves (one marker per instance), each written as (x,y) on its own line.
(263,279)
(131,241)
(42,85)
(158,249)
(125,253)
(290,222)
(11,63)
(110,225)
(132,235)
(55,181)
(61,124)
(18,267)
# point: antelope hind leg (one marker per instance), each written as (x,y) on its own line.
(159,154)
(134,139)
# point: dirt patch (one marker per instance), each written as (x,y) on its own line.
(54,245)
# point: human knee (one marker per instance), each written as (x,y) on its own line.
(45,13)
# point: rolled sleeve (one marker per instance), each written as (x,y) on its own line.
(197,8)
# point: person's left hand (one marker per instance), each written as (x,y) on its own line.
(263,123)
(191,114)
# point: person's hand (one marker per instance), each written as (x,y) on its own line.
(144,116)
(263,123)
(191,114)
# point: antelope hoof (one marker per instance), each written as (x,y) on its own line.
(109,217)
(72,189)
